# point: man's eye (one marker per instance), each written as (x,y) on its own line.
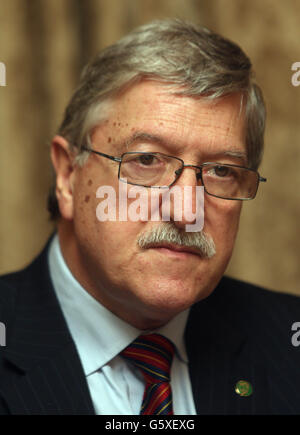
(222,171)
(146,159)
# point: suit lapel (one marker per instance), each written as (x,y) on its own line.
(55,386)
(43,372)
(220,355)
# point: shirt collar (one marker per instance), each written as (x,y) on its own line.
(100,335)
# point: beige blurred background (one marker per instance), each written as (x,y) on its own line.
(45,43)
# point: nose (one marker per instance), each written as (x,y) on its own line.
(183,197)
(197,170)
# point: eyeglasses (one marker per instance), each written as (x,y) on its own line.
(159,170)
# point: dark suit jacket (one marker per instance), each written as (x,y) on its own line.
(240,332)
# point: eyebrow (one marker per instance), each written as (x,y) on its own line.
(237,154)
(148,137)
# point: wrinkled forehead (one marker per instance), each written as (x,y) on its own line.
(148,98)
(151,108)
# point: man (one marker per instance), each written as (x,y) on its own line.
(112,303)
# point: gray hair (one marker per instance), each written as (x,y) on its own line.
(197,61)
(167,232)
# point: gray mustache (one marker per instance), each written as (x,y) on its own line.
(169,233)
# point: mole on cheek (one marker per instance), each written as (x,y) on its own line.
(109,140)
(90,182)
(87,198)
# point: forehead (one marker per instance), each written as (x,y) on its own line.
(150,107)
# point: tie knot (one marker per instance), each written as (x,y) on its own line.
(153,355)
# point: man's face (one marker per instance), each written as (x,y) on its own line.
(147,287)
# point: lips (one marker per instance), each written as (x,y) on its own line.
(175,248)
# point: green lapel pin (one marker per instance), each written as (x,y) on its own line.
(243,388)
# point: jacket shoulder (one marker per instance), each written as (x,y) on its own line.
(254,308)
(245,292)
(249,308)
(14,284)
(8,295)
(10,285)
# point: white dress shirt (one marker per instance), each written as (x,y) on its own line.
(115,385)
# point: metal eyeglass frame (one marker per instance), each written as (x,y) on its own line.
(179,171)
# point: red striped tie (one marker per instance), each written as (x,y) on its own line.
(153,355)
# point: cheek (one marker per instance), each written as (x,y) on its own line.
(117,237)
(109,241)
(88,180)
(96,200)
(222,222)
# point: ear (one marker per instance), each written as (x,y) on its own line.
(62,160)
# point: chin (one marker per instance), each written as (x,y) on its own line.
(165,299)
